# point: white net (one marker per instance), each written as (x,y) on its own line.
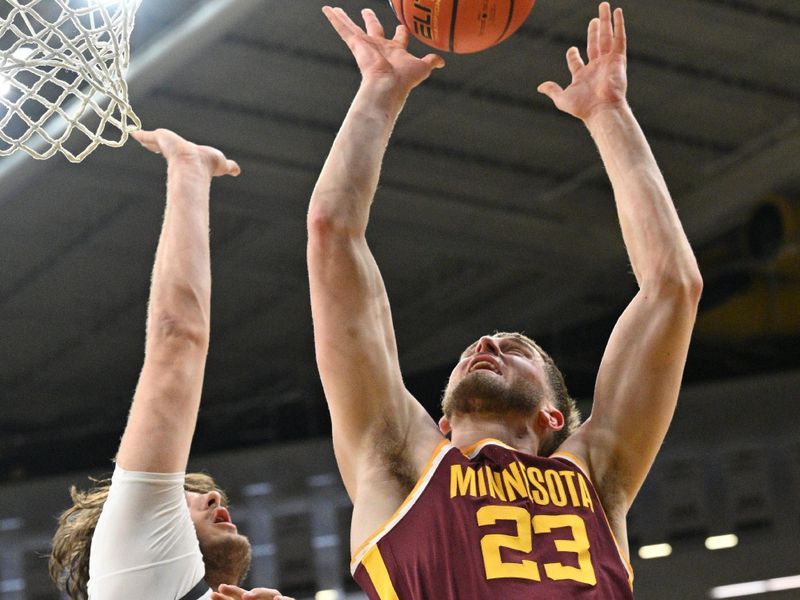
(62,76)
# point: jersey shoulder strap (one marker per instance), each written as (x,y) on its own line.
(196,592)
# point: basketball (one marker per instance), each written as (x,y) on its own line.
(462,27)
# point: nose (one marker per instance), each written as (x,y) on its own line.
(213,498)
(488,344)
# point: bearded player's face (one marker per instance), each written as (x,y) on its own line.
(497,374)
(221,544)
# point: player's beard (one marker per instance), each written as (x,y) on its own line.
(480,392)
(227,559)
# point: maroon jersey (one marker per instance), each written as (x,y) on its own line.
(493,522)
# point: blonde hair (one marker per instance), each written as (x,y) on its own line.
(69,554)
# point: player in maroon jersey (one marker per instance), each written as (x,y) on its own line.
(489,514)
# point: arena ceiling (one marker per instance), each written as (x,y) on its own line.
(493,213)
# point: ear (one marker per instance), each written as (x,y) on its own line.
(550,418)
(444,426)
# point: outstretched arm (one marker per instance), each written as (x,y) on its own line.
(354,338)
(640,374)
(164,410)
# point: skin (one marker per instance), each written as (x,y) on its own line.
(382,435)
(210,516)
(232,592)
(163,414)
(505,359)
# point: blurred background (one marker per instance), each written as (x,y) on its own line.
(494,213)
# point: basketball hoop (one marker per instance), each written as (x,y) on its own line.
(62,76)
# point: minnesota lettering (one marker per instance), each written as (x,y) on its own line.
(541,486)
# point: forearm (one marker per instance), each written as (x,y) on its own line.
(180,293)
(657,245)
(348,181)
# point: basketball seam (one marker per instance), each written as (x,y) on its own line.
(508,21)
(453,26)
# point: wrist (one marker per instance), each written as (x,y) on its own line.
(384,93)
(189,164)
(607,114)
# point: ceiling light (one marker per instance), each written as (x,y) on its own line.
(719,542)
(751,588)
(655,551)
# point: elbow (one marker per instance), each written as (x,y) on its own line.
(326,229)
(332,214)
(696,285)
(319,224)
(176,334)
(691,282)
(682,285)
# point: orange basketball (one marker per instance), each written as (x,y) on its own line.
(462,26)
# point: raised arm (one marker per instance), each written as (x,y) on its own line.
(640,374)
(355,344)
(164,410)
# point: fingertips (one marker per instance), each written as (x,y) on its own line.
(434,60)
(234,170)
(401,35)
(549,89)
(574,60)
(141,136)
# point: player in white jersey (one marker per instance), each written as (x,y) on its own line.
(153,531)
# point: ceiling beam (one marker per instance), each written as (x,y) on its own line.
(768,164)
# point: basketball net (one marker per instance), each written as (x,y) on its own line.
(62,76)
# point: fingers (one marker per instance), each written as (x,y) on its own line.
(434,61)
(229,592)
(263,594)
(232,168)
(550,89)
(148,139)
(574,60)
(343,25)
(371,22)
(401,36)
(606,34)
(620,36)
(593,40)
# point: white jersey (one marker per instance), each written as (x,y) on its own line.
(145,545)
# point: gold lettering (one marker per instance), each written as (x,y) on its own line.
(462,481)
(481,483)
(539,496)
(498,485)
(569,476)
(555,487)
(586,497)
(514,479)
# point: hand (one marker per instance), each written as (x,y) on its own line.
(601,83)
(175,148)
(379,58)
(233,592)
